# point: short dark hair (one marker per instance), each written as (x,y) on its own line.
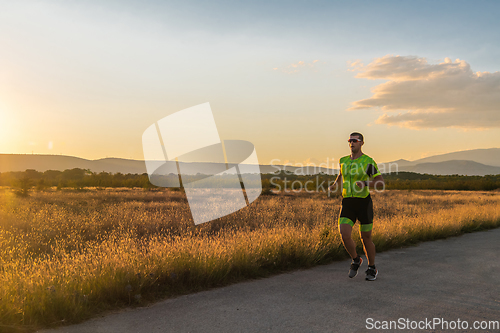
(357,134)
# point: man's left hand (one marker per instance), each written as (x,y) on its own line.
(360,184)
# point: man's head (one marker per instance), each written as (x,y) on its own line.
(355,142)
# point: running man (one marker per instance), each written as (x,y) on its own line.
(356,171)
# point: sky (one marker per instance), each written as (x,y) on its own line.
(295,78)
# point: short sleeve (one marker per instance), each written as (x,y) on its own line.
(372,169)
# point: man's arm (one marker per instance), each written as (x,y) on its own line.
(377,183)
(338,180)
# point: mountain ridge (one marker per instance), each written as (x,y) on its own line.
(487,156)
(437,164)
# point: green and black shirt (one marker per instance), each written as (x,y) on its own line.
(361,169)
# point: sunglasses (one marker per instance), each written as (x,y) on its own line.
(354,140)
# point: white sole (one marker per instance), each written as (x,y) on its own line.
(357,270)
(367,279)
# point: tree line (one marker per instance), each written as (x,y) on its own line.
(393,181)
(81,178)
(71,178)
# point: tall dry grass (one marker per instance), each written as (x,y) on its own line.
(65,256)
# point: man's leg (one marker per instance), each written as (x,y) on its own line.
(345,227)
(365,231)
(369,246)
(345,232)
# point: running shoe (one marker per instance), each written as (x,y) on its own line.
(354,267)
(371,274)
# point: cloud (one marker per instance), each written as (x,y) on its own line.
(355,65)
(421,95)
(300,63)
(296,67)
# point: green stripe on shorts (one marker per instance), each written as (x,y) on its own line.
(345,220)
(366,227)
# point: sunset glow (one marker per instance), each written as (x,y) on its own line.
(86,79)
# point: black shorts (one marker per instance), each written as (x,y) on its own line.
(360,209)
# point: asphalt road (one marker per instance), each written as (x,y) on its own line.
(447,280)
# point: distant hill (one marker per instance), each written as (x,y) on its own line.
(21,162)
(470,162)
(402,163)
(489,156)
(476,162)
(466,168)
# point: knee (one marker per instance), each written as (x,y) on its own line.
(366,238)
(346,237)
(345,233)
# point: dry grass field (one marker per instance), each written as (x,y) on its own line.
(68,255)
